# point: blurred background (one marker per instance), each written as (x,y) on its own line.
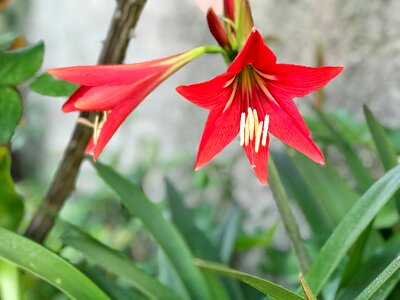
(160,138)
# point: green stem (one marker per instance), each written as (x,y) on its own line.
(196,52)
(287,216)
(181,60)
(9,282)
(213,49)
(218,49)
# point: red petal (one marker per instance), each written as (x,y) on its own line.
(104,98)
(291,131)
(115,119)
(113,74)
(221,128)
(298,81)
(118,114)
(209,94)
(259,160)
(69,105)
(289,106)
(90,146)
(254,52)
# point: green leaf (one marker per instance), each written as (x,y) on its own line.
(228,231)
(163,231)
(350,130)
(200,245)
(386,154)
(107,283)
(247,242)
(334,194)
(350,228)
(11,204)
(9,281)
(361,173)
(115,262)
(391,273)
(370,268)
(316,213)
(10,113)
(385,151)
(45,264)
(182,217)
(356,253)
(16,66)
(267,287)
(48,85)
(394,138)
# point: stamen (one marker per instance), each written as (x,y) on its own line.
(258,137)
(246,81)
(247,131)
(266,76)
(242,128)
(97,125)
(251,123)
(265,131)
(85,122)
(96,129)
(262,86)
(255,116)
(105,116)
(229,82)
(101,124)
(235,85)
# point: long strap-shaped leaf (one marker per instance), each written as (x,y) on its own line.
(47,265)
(384,149)
(384,279)
(349,229)
(116,263)
(163,231)
(266,287)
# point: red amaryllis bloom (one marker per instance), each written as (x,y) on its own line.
(116,90)
(254,98)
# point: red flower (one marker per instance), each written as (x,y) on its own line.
(116,90)
(254,98)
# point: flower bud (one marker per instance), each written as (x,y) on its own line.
(216,29)
(229,11)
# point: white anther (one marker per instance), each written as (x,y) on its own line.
(242,128)
(85,122)
(247,131)
(251,123)
(265,131)
(96,129)
(258,137)
(255,116)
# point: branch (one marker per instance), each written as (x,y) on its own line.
(122,25)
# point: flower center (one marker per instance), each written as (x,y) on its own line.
(97,125)
(245,85)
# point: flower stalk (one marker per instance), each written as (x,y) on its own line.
(289,221)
